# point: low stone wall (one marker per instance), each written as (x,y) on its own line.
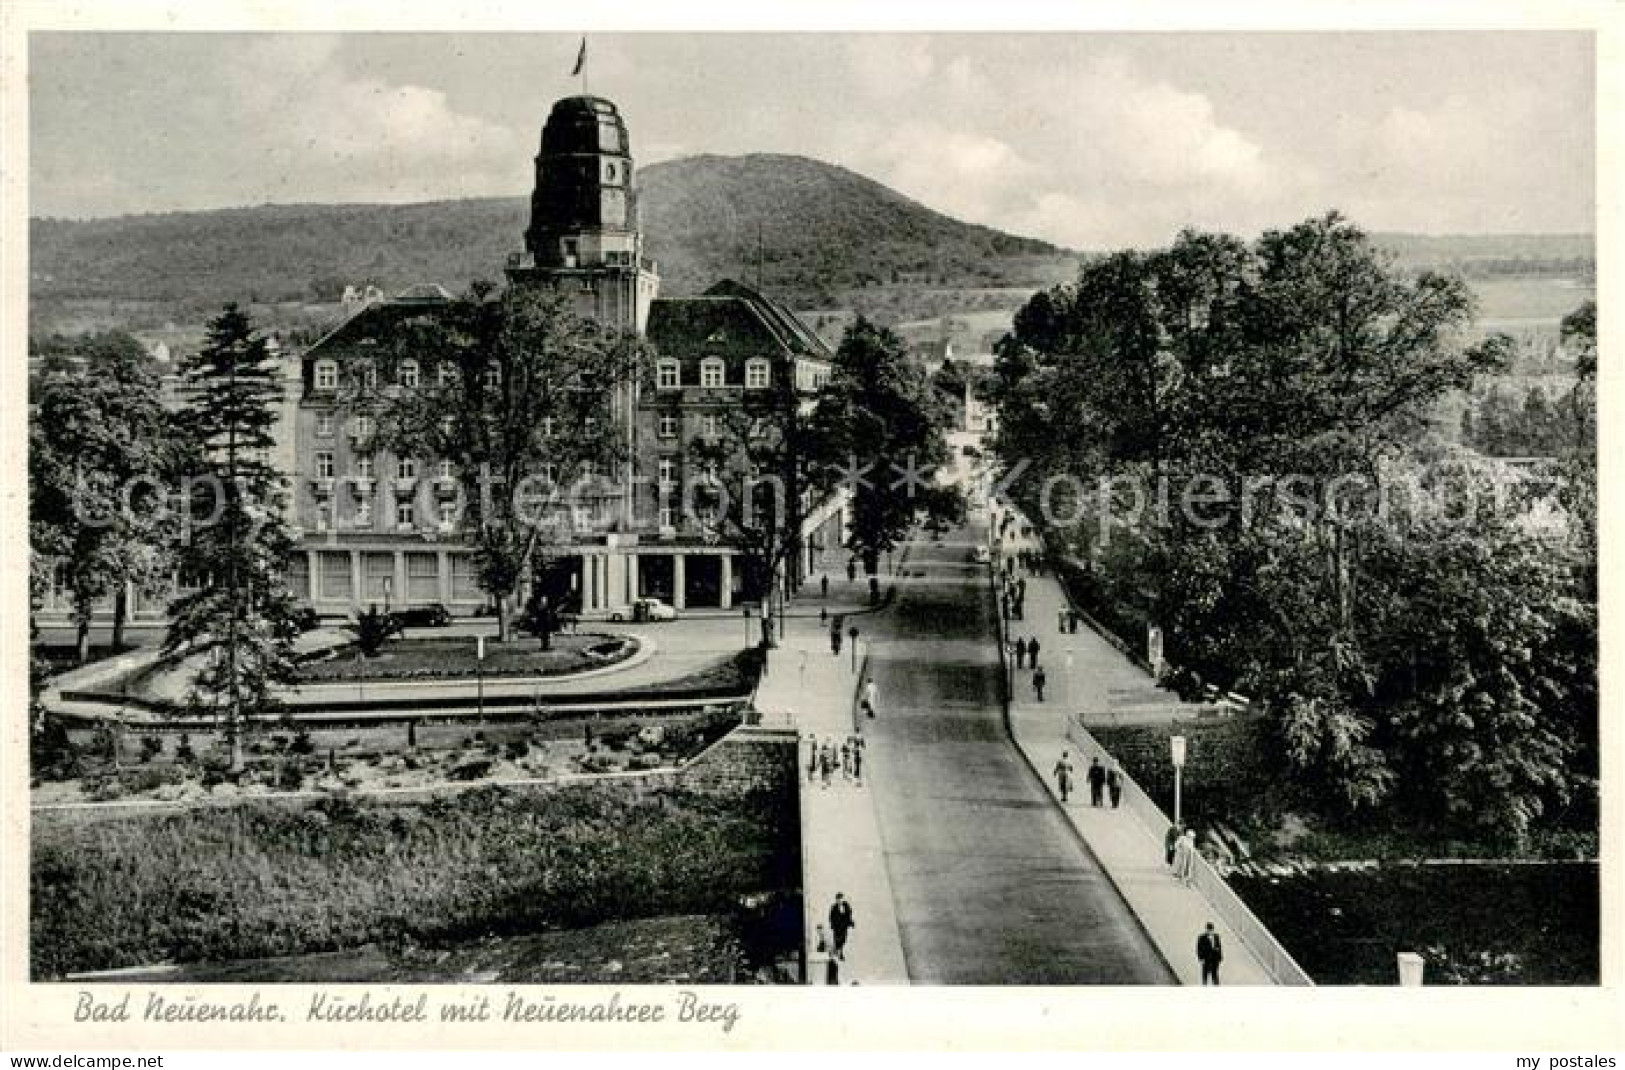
(751,758)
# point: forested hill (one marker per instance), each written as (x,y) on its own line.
(815,228)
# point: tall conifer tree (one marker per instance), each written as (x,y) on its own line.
(240,617)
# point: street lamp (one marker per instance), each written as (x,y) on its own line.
(389,590)
(747,627)
(1176,745)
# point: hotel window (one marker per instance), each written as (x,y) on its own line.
(362,428)
(589,470)
(668,471)
(363,513)
(366,375)
(405,515)
(324,425)
(407,374)
(334,573)
(327,375)
(711,372)
(448,514)
(493,377)
(756,373)
(406,468)
(668,375)
(447,470)
(665,516)
(324,464)
(363,466)
(668,426)
(708,425)
(549,425)
(548,471)
(446,373)
(581,517)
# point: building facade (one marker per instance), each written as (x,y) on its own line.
(378,529)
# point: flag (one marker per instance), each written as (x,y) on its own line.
(581,58)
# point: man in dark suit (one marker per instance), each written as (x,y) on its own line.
(1209,952)
(1097,782)
(840,923)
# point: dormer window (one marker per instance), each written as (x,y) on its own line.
(327,374)
(756,373)
(668,375)
(407,374)
(447,373)
(711,372)
(366,376)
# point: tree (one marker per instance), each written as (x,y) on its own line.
(1296,361)
(100,447)
(879,426)
(241,618)
(752,482)
(530,412)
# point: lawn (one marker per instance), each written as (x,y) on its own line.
(430,659)
(258,881)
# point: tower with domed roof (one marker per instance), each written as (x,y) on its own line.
(584,236)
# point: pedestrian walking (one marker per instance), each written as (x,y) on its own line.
(851,570)
(1032,651)
(835,638)
(841,923)
(1097,782)
(1170,840)
(812,758)
(871,698)
(846,758)
(1072,620)
(1209,952)
(1039,679)
(1114,783)
(1185,857)
(1063,777)
(823,585)
(826,760)
(857,758)
(1021,590)
(1060,621)
(1004,607)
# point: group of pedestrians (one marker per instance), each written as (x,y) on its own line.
(826,758)
(1013,595)
(1179,849)
(1104,781)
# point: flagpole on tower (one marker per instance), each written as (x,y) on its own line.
(581,65)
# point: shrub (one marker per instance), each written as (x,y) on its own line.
(151,747)
(290,777)
(373,630)
(302,743)
(517,749)
(473,769)
(183,749)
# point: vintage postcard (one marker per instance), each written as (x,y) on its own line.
(554,530)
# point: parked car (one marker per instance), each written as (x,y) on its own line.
(644,609)
(430,616)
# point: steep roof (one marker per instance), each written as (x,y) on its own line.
(732,315)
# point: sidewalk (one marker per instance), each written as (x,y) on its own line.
(813,690)
(1130,851)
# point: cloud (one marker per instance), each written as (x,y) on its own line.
(1092,154)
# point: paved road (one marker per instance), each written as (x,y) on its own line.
(992,885)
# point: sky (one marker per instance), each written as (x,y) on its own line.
(1087,140)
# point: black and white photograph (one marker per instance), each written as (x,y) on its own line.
(523,527)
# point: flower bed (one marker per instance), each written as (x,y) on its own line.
(444,659)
